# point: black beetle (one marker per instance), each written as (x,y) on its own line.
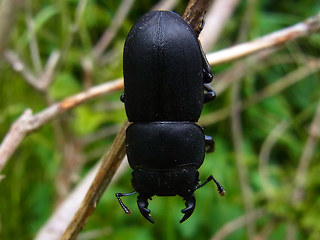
(166,76)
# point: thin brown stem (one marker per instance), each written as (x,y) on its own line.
(264,155)
(237,223)
(109,34)
(238,153)
(217,17)
(311,25)
(8,13)
(279,85)
(29,122)
(303,167)
(194,14)
(109,164)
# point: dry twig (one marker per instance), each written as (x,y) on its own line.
(239,222)
(109,34)
(291,78)
(8,12)
(194,14)
(303,167)
(29,122)
(216,18)
(283,36)
(109,164)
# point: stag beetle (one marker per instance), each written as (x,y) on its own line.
(166,82)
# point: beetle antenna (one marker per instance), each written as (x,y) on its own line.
(124,207)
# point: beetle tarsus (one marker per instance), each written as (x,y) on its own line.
(221,190)
(124,207)
(143,207)
(190,205)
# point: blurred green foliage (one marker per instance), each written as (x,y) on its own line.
(42,171)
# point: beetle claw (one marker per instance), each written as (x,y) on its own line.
(143,207)
(190,205)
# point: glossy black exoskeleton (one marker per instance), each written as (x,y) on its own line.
(166,82)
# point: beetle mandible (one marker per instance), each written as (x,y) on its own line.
(166,82)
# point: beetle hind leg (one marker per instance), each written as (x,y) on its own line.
(209,144)
(143,207)
(124,207)
(190,205)
(221,190)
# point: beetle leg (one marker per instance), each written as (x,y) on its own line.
(210,94)
(207,71)
(143,207)
(190,205)
(124,207)
(122,97)
(209,144)
(221,190)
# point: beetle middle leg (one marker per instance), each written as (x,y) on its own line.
(221,190)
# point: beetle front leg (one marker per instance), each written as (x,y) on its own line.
(190,205)
(143,207)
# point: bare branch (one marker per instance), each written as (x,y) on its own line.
(109,34)
(264,155)
(46,76)
(107,169)
(305,28)
(8,12)
(194,14)
(306,157)
(279,85)
(28,122)
(63,215)
(239,222)
(216,18)
(242,170)
(302,171)
(19,66)
(33,44)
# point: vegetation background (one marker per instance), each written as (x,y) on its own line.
(267,154)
